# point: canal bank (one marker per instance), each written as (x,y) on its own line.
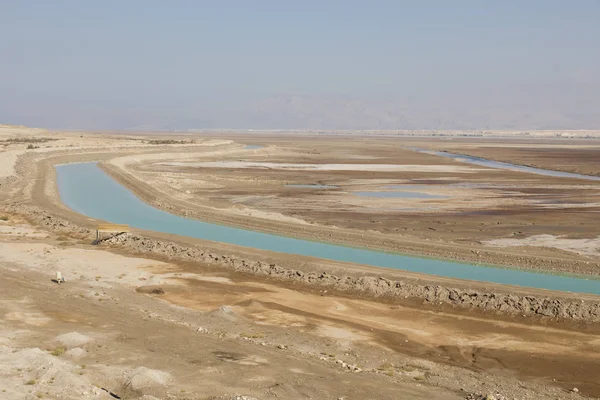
(196,263)
(42,208)
(88,190)
(328,278)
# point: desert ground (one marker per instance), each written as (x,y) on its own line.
(147,315)
(348,192)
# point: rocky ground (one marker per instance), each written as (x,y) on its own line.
(147,315)
(142,328)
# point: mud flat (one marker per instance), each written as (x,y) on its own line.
(446,293)
(88,190)
(464,210)
(577,157)
(562,264)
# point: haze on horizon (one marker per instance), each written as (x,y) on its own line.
(267,64)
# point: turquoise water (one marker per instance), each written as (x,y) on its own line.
(405,195)
(502,165)
(253,146)
(86,189)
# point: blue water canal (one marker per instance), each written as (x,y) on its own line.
(502,165)
(86,189)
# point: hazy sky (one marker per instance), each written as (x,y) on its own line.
(309,63)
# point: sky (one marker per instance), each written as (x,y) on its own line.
(311,64)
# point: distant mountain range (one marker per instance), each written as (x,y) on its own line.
(334,112)
(338,112)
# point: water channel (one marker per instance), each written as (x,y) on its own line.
(86,189)
(502,165)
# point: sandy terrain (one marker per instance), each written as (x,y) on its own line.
(326,167)
(123,325)
(64,343)
(576,157)
(150,315)
(8,159)
(590,247)
(463,210)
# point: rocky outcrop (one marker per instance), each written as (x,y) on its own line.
(48,221)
